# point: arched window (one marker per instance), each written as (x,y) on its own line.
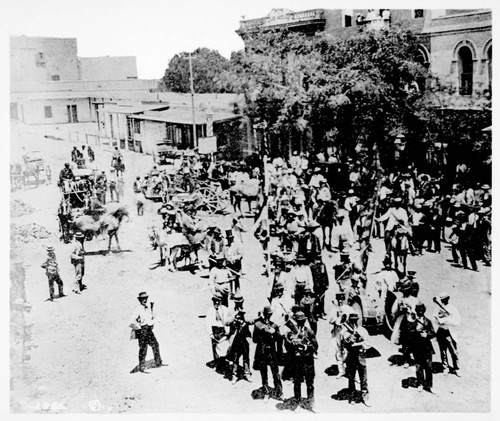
(465,71)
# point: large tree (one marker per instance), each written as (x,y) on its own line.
(208,68)
(313,90)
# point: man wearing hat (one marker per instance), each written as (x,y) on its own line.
(217,322)
(309,245)
(387,279)
(220,280)
(266,336)
(483,235)
(52,272)
(302,279)
(342,233)
(303,346)
(234,256)
(142,323)
(78,261)
(65,177)
(421,331)
(345,270)
(216,247)
(101,187)
(113,180)
(448,319)
(414,286)
(140,199)
(396,217)
(354,342)
(337,319)
(307,306)
(239,335)
(418,227)
(402,308)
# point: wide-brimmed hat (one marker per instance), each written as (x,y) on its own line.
(299,316)
(485,187)
(50,248)
(216,298)
(344,254)
(484,211)
(398,200)
(267,311)
(142,295)
(354,316)
(411,273)
(238,298)
(79,234)
(311,225)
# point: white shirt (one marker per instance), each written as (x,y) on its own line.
(302,275)
(219,279)
(450,322)
(142,316)
(212,320)
(395,217)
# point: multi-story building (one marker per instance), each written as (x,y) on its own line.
(455,43)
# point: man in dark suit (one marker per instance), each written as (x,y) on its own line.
(421,332)
(303,346)
(266,335)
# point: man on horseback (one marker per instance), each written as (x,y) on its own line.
(396,217)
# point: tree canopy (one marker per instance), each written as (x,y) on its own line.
(208,66)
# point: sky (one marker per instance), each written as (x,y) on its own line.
(152,30)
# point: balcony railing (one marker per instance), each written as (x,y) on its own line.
(288,18)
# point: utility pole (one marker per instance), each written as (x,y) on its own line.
(195,140)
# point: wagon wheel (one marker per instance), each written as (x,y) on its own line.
(210,200)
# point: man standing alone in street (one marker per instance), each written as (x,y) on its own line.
(52,271)
(142,324)
(78,261)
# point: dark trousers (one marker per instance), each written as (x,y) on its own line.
(352,367)
(423,365)
(418,238)
(434,239)
(79,273)
(242,350)
(297,386)
(55,279)
(113,192)
(147,337)
(467,252)
(447,343)
(276,377)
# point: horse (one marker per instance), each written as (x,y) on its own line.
(325,217)
(195,233)
(31,171)
(248,190)
(399,247)
(108,223)
(173,246)
(118,165)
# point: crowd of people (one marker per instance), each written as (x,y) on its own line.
(298,200)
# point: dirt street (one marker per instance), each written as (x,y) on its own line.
(83,355)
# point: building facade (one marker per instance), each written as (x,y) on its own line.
(455,43)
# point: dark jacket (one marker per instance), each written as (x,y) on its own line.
(421,346)
(265,335)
